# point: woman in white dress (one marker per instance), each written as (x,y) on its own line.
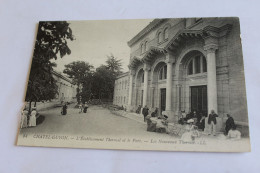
(32,121)
(24,118)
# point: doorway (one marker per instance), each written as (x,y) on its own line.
(199,100)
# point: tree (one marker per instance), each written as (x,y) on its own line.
(81,73)
(105,76)
(114,65)
(51,41)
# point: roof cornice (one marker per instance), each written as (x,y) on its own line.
(146,30)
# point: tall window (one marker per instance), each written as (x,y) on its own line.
(145,46)
(166,34)
(142,78)
(197,64)
(160,37)
(142,48)
(163,73)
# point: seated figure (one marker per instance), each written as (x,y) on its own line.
(162,125)
(234,134)
(155,113)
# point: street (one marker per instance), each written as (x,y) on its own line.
(98,121)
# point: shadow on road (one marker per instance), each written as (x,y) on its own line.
(40,119)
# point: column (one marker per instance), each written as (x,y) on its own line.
(178,99)
(146,70)
(169,61)
(212,77)
(130,88)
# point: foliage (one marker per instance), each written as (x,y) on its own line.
(81,73)
(105,76)
(51,41)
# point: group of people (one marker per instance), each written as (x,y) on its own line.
(199,121)
(194,120)
(155,123)
(28,119)
(83,108)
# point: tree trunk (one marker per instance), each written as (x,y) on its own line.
(30,107)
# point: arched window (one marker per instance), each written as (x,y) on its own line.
(142,47)
(143,78)
(160,37)
(145,46)
(163,73)
(166,34)
(197,64)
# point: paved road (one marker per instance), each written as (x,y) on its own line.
(97,121)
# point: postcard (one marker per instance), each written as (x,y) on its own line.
(171,84)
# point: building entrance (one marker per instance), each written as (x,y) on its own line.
(199,100)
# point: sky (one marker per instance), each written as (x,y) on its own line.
(95,40)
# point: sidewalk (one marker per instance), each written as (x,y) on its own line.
(174,129)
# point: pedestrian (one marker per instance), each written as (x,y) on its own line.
(64,109)
(80,108)
(32,120)
(138,110)
(182,118)
(24,118)
(145,112)
(212,121)
(201,122)
(229,124)
(85,108)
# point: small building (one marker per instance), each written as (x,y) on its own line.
(192,64)
(66,88)
(121,90)
(67,91)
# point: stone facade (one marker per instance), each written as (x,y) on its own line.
(66,89)
(121,90)
(188,64)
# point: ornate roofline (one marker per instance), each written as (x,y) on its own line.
(122,75)
(146,30)
(204,33)
(208,31)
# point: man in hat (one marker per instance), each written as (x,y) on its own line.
(145,112)
(212,121)
(229,124)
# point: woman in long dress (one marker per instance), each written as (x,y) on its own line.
(32,121)
(24,118)
(64,109)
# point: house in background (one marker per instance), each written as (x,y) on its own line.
(67,91)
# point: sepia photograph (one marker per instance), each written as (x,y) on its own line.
(164,84)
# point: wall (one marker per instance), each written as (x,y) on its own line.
(121,90)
